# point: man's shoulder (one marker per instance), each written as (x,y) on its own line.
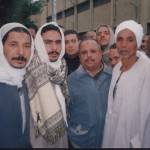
(76,74)
(5,86)
(73,74)
(107,70)
(7,90)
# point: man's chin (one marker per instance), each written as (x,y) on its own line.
(53,60)
(18,67)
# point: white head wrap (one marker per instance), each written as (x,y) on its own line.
(111,41)
(136,28)
(8,74)
(112,36)
(40,47)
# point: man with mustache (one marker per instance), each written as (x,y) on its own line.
(105,37)
(47,88)
(16,51)
(129,96)
(113,55)
(88,90)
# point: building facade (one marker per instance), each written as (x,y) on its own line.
(85,15)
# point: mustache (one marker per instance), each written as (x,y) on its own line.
(123,50)
(20,58)
(89,59)
(53,52)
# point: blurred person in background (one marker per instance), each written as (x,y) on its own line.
(145,46)
(105,37)
(72,50)
(113,55)
(90,35)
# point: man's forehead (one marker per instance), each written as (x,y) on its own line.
(88,43)
(53,32)
(70,36)
(13,34)
(103,28)
(113,51)
(126,33)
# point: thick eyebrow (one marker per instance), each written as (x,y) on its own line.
(132,36)
(47,40)
(15,42)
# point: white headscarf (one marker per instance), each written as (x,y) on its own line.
(136,28)
(8,74)
(40,47)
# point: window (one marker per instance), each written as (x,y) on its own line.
(49,19)
(100,2)
(69,12)
(59,15)
(83,6)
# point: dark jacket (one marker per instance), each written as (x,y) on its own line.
(11,135)
(72,63)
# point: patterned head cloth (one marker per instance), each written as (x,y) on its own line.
(136,28)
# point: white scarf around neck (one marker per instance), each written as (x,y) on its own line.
(40,47)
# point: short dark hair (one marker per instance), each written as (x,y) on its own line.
(67,32)
(16,29)
(61,26)
(49,28)
(88,40)
(113,46)
(31,25)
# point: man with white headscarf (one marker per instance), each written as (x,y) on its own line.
(47,88)
(129,96)
(16,51)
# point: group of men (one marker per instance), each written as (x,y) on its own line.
(55,89)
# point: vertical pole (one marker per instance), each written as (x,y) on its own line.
(54,16)
(91,15)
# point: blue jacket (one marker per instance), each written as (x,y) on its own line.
(88,107)
(11,135)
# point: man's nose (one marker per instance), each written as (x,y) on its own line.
(21,50)
(54,46)
(89,54)
(102,34)
(124,43)
(70,44)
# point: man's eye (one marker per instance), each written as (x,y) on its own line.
(84,52)
(48,42)
(13,44)
(27,46)
(93,51)
(58,42)
(119,39)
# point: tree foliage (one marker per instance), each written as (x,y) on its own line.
(18,10)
